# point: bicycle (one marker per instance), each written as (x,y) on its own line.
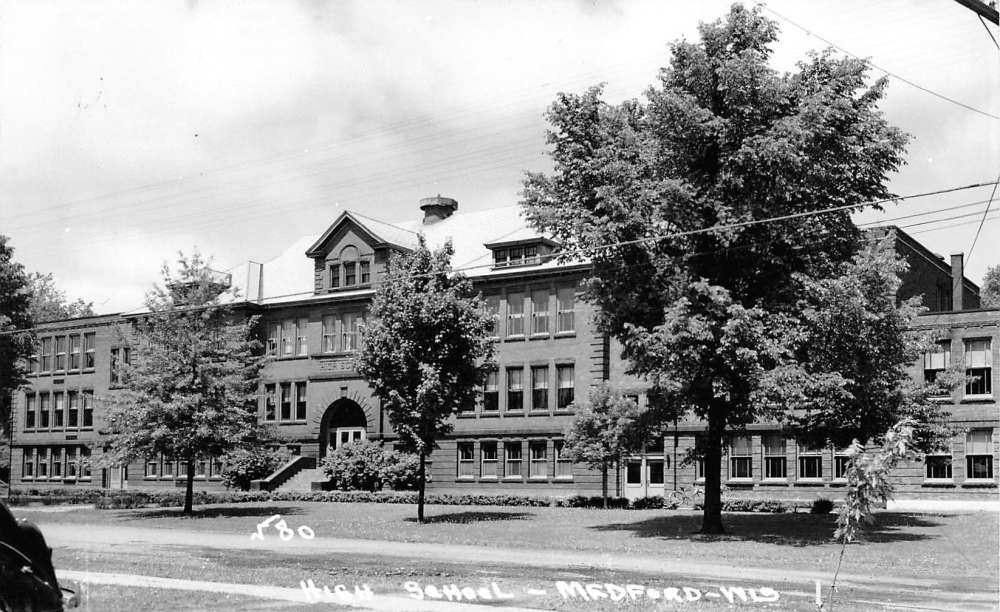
(692,496)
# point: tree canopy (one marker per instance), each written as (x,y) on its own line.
(15,344)
(991,287)
(673,200)
(425,349)
(48,303)
(190,392)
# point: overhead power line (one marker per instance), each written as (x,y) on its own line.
(665,236)
(873,64)
(986,212)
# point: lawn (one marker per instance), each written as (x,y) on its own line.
(900,544)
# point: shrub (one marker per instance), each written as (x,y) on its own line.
(648,503)
(821,505)
(247,464)
(402,471)
(358,466)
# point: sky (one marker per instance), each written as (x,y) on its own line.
(129,131)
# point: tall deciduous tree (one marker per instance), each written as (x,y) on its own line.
(191,388)
(15,344)
(991,287)
(426,348)
(603,430)
(48,303)
(670,199)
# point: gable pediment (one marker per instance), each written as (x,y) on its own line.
(352,230)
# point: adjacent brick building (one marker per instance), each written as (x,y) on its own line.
(548,355)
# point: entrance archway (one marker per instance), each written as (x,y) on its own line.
(343,422)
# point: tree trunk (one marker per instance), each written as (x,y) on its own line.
(604,483)
(421,484)
(711,522)
(189,489)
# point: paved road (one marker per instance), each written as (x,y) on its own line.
(903,592)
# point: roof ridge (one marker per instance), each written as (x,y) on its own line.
(364,216)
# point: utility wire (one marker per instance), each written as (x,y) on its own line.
(679,234)
(993,38)
(969,254)
(873,64)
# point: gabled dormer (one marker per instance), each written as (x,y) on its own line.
(528,251)
(352,253)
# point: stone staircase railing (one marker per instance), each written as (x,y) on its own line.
(283,474)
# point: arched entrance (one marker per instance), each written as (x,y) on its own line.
(343,422)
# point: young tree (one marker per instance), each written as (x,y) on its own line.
(670,198)
(48,303)
(191,388)
(426,349)
(15,344)
(991,287)
(603,431)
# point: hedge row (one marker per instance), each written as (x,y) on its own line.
(154,498)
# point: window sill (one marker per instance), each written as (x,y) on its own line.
(514,338)
(539,413)
(538,478)
(944,483)
(513,478)
(809,482)
(563,479)
(465,415)
(977,399)
(562,411)
(465,479)
(514,413)
(739,482)
(492,414)
(779,482)
(290,357)
(540,336)
(565,334)
(487,479)
(979,483)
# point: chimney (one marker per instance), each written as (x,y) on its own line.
(255,282)
(437,208)
(957,276)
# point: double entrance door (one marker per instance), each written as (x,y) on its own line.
(644,476)
(339,436)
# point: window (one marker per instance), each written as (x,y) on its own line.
(699,469)
(540,313)
(287,336)
(655,467)
(29,411)
(59,411)
(168,468)
(33,360)
(491,393)
(218,468)
(43,463)
(565,317)
(840,464)
(530,255)
(979,367)
(938,467)
(936,361)
(84,463)
(273,335)
(60,363)
(774,456)
(512,460)
(286,401)
(46,354)
(979,454)
(152,468)
(365,272)
(515,389)
(74,352)
(120,357)
(493,306)
(349,332)
(301,337)
(539,463)
(740,459)
(540,388)
(28,463)
(466,460)
(300,401)
(44,410)
(71,462)
(515,314)
(57,460)
(810,462)
(488,452)
(350,274)
(515,256)
(88,409)
(633,472)
(89,350)
(564,466)
(329,334)
(499,258)
(200,468)
(567,386)
(334,276)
